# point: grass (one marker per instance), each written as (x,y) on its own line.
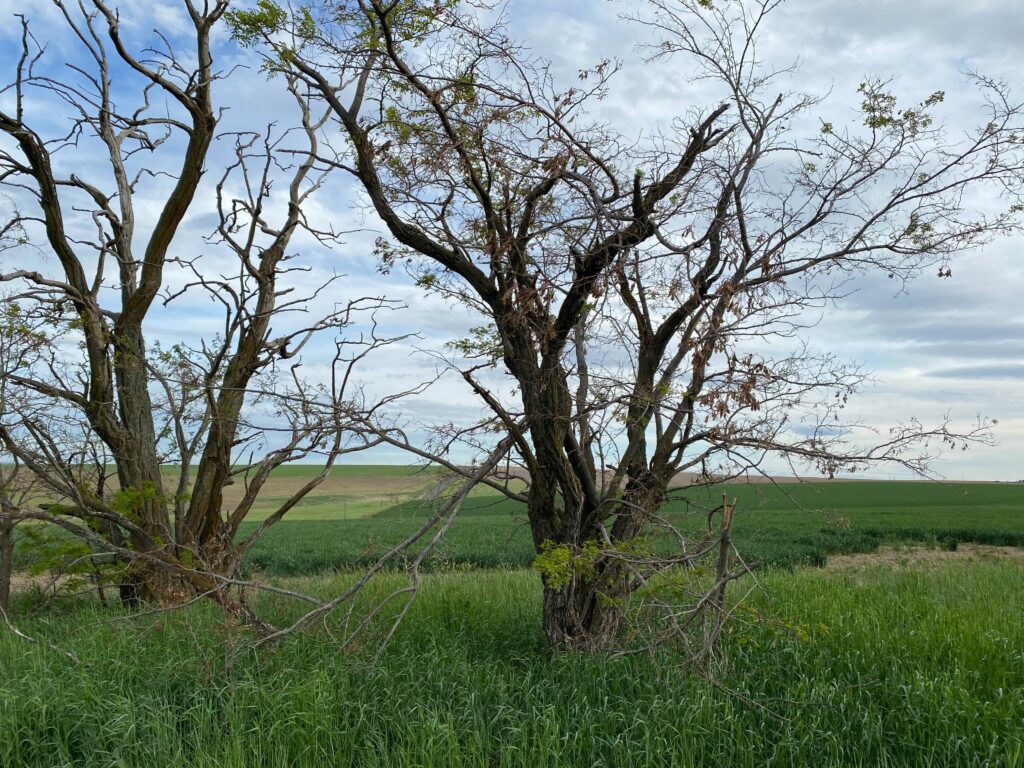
(871,668)
(874,666)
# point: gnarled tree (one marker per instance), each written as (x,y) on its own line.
(84,194)
(626,283)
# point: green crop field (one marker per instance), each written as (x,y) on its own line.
(778,525)
(874,663)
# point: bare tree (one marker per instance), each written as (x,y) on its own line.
(627,286)
(227,409)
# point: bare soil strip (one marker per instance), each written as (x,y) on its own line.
(922,557)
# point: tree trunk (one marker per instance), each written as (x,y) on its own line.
(131,590)
(579,616)
(6,559)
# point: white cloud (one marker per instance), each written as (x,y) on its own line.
(929,347)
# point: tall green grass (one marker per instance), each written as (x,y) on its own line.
(872,668)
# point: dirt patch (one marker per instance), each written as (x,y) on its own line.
(22,581)
(922,557)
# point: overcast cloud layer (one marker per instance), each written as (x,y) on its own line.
(954,345)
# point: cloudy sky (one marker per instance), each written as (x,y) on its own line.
(952,345)
(937,346)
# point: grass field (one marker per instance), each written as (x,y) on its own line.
(783,525)
(865,665)
(867,668)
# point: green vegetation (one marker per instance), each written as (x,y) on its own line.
(783,525)
(868,668)
(360,510)
(873,666)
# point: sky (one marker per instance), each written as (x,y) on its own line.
(934,346)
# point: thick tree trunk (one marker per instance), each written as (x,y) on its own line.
(138,469)
(137,459)
(579,616)
(586,612)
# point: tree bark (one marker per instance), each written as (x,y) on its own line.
(579,616)
(132,591)
(6,559)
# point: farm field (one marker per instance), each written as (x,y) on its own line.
(777,525)
(888,660)
(349,492)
